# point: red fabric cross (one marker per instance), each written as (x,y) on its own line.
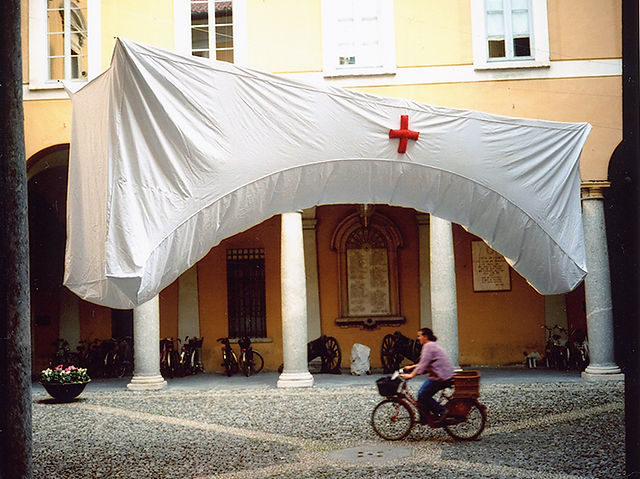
(404,133)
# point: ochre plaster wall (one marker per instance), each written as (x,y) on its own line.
(284,35)
(437,32)
(145,21)
(495,328)
(408,272)
(212,290)
(46,123)
(576,29)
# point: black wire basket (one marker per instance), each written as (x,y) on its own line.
(387,386)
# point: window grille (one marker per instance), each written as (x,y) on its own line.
(246,299)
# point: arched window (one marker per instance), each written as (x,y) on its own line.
(367,244)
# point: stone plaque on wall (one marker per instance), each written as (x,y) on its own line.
(367,281)
(490,270)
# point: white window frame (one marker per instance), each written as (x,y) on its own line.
(330,34)
(38,57)
(182,29)
(539,39)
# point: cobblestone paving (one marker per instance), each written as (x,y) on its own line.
(557,430)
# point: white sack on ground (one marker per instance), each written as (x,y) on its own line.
(171,154)
(360,359)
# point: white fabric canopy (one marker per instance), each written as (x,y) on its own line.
(171,154)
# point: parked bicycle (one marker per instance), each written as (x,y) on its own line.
(91,357)
(464,420)
(122,360)
(578,347)
(169,359)
(190,356)
(251,361)
(229,358)
(556,354)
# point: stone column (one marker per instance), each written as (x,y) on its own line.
(15,325)
(294,305)
(444,300)
(597,287)
(146,347)
(425,268)
(314,324)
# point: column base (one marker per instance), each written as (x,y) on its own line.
(603,373)
(146,383)
(295,380)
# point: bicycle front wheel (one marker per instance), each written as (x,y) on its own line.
(392,419)
(228,363)
(465,419)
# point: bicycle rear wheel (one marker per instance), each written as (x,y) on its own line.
(257,363)
(253,365)
(392,419)
(465,419)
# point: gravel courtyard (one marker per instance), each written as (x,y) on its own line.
(560,430)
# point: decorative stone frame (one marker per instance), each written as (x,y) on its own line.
(345,232)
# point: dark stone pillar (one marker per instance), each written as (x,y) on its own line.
(623,230)
(15,330)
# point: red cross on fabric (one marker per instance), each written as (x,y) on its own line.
(404,133)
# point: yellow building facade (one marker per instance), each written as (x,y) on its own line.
(554,60)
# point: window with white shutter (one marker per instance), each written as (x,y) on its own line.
(358,37)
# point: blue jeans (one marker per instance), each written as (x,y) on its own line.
(425,397)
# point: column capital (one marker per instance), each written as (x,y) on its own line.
(593,189)
(309,213)
(309,223)
(423,219)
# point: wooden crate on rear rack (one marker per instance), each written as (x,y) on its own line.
(466,384)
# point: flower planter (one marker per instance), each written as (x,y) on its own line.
(64,392)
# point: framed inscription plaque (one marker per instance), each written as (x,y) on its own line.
(366,243)
(491,272)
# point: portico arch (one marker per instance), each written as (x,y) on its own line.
(55,311)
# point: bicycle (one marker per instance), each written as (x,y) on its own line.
(229,358)
(556,354)
(190,354)
(464,420)
(251,361)
(169,361)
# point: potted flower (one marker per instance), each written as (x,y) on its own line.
(64,384)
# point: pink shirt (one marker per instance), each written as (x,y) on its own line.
(435,362)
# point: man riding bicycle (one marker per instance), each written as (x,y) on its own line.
(435,363)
